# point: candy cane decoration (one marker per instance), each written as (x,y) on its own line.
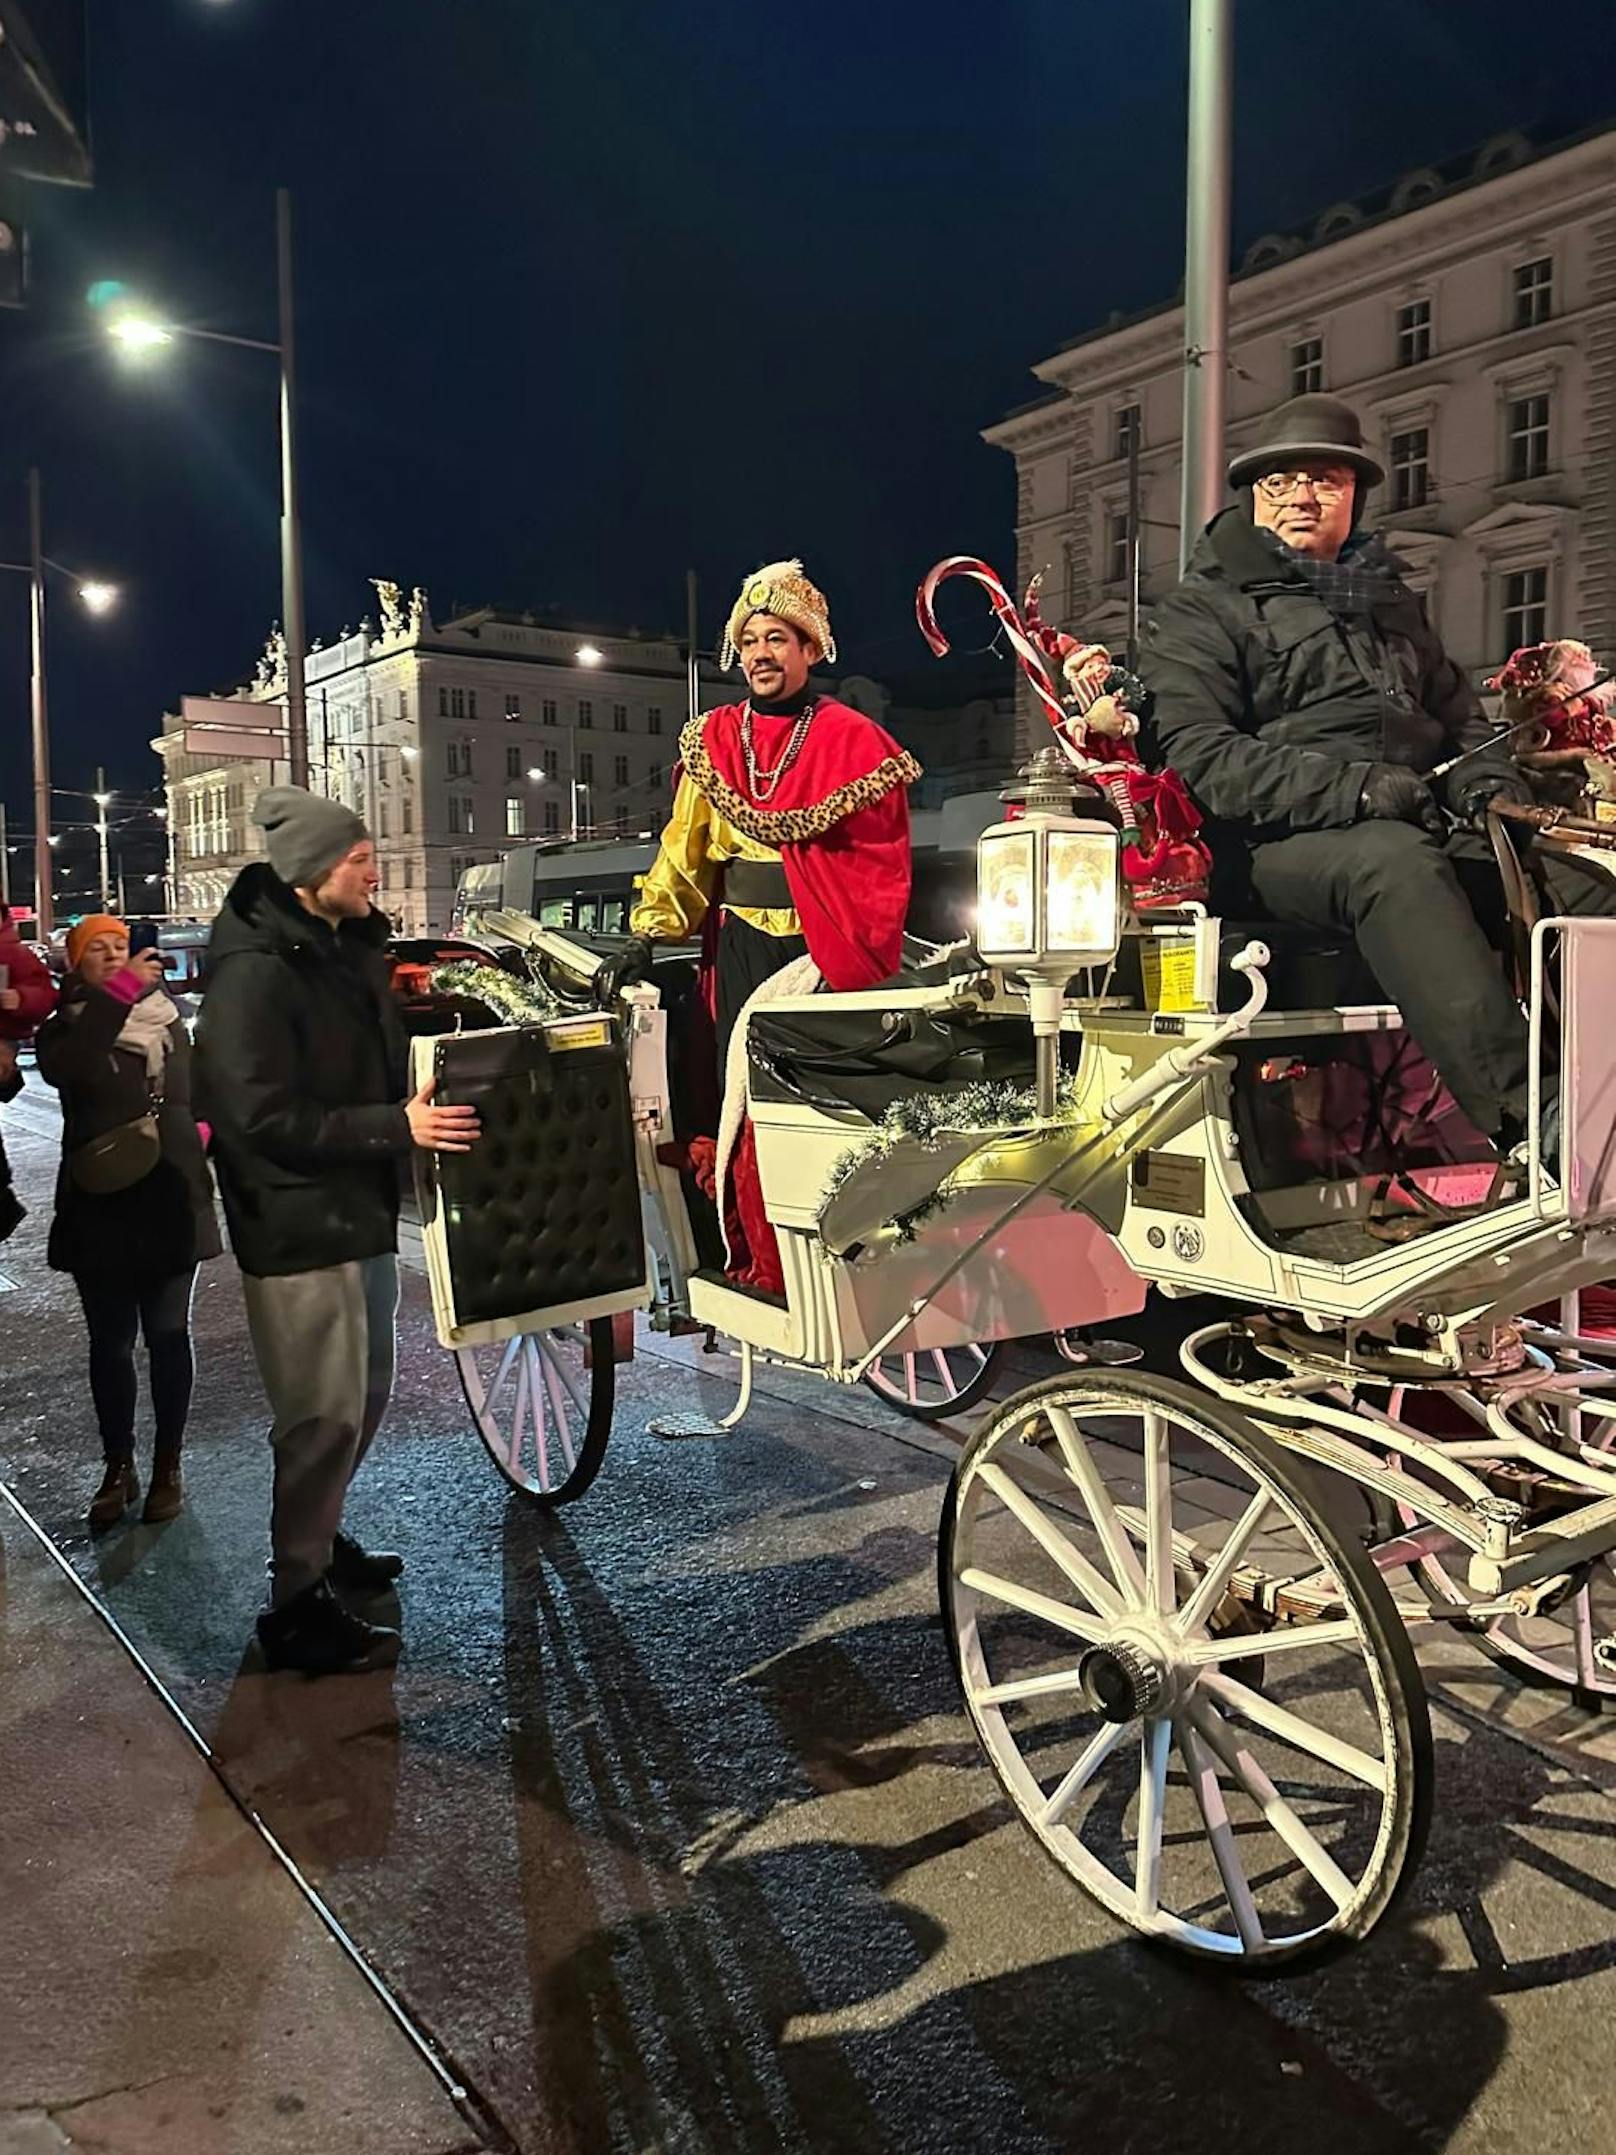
(1031,658)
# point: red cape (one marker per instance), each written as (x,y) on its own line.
(839,819)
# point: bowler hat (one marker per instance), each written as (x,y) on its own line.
(1313,426)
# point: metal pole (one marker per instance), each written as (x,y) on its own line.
(1133,548)
(297,725)
(101,835)
(123,895)
(5,869)
(1206,264)
(44,909)
(173,890)
(692,657)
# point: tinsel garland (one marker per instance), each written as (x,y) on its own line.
(926,1118)
(518,1002)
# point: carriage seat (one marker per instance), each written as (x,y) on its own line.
(1308,969)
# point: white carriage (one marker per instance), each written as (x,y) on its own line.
(1179,1608)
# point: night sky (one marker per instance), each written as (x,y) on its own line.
(589,293)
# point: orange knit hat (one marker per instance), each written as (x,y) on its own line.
(85,930)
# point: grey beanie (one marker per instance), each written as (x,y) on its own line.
(306,834)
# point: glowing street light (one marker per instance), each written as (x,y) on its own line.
(138,333)
(97,597)
(588,655)
(536,775)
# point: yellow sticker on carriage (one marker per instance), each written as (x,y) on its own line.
(595,1033)
(1169,975)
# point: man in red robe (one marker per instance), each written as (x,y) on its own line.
(788,841)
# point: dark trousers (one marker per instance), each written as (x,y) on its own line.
(745,959)
(1431,922)
(114,1311)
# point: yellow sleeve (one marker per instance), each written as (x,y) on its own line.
(675,894)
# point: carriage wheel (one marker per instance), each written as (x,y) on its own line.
(936,1381)
(1194,1688)
(542,1404)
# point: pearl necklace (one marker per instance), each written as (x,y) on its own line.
(763,782)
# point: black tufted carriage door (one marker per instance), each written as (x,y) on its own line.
(543,1212)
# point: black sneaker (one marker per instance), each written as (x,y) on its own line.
(316,1634)
(12,1211)
(362,1571)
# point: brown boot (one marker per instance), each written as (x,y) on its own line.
(120,1485)
(165,1493)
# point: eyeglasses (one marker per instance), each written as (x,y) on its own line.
(1284,485)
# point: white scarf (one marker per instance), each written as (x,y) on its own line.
(145,1030)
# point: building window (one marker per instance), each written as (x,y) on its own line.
(457,703)
(461,821)
(1411,468)
(513,704)
(1526,607)
(586,768)
(654,777)
(1534,292)
(552,818)
(619,770)
(1413,332)
(515,816)
(547,710)
(403,703)
(1307,366)
(471,703)
(586,712)
(619,718)
(552,763)
(383,819)
(620,823)
(409,816)
(653,719)
(459,759)
(1128,433)
(1528,427)
(409,875)
(443,703)
(1116,547)
(513,763)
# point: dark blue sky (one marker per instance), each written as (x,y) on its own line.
(591,292)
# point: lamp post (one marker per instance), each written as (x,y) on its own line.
(103,801)
(141,333)
(1206,265)
(97,597)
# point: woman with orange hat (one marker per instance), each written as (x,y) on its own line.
(134,1200)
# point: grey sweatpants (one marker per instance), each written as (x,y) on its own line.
(324,1346)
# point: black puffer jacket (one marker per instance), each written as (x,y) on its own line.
(162,1224)
(302,1062)
(1272,708)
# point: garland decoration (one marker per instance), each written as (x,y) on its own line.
(518,1002)
(926,1118)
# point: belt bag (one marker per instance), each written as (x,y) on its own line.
(117,1159)
(760,886)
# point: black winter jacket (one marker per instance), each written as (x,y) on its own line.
(302,1061)
(1272,708)
(162,1224)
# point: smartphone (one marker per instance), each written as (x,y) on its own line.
(142,936)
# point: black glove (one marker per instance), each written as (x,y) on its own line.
(1476,795)
(632,962)
(1392,794)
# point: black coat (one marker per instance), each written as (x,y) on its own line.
(1271,707)
(162,1224)
(302,1062)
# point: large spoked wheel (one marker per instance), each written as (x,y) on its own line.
(1195,1690)
(936,1381)
(542,1404)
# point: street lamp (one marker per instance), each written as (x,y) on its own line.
(105,596)
(589,655)
(140,334)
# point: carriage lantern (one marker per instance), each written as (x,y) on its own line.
(1048,900)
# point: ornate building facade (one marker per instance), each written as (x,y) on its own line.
(1468,313)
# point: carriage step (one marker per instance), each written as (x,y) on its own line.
(711,1277)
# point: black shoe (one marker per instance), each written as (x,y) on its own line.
(361,1571)
(316,1634)
(12,1211)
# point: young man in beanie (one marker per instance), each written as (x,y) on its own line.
(1302,693)
(303,1073)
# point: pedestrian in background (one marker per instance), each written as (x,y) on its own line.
(134,1202)
(27,998)
(303,1065)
